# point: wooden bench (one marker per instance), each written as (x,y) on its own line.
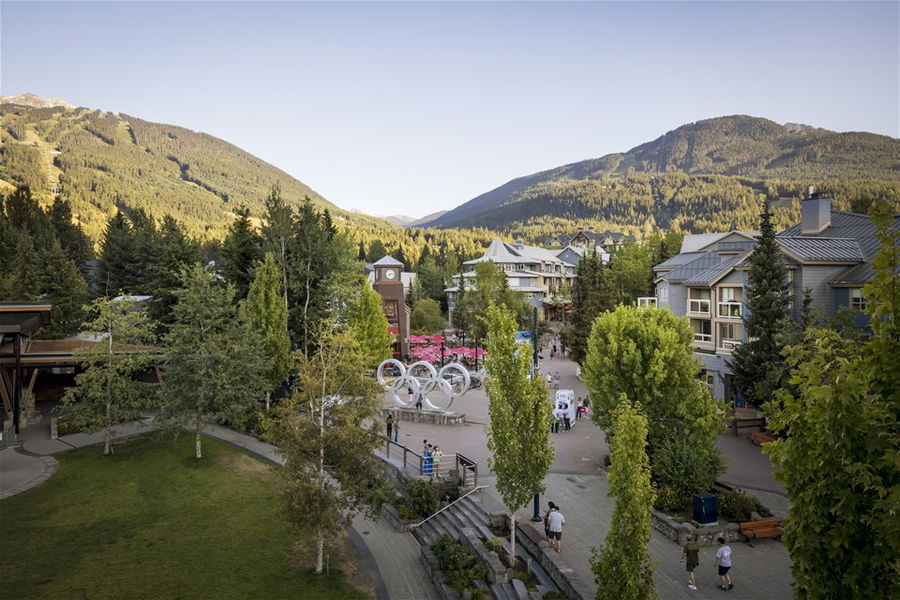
(761,529)
(737,423)
(759,438)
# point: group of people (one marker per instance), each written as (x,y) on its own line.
(690,556)
(553,525)
(431,459)
(561,419)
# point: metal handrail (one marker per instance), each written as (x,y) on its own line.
(472,491)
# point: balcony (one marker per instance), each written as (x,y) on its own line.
(729,345)
(697,306)
(647,301)
(729,310)
(703,338)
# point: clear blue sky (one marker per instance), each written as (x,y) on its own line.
(408,108)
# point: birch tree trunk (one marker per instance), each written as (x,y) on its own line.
(320,550)
(512,538)
(199,454)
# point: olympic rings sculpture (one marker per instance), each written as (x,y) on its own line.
(423,379)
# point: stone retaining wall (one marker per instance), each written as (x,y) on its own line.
(707,534)
(564,577)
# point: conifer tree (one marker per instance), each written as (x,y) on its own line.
(265,313)
(118,263)
(277,229)
(106,393)
(174,252)
(757,365)
(623,567)
(74,242)
(519,430)
(590,296)
(215,364)
(241,250)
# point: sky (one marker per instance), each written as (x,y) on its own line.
(414,107)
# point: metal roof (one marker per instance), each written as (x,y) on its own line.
(848,225)
(679,260)
(698,265)
(821,249)
(712,274)
(387,261)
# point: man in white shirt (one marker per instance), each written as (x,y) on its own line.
(555,522)
(723,561)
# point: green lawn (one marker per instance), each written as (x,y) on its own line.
(153,522)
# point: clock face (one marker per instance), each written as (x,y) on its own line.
(390,274)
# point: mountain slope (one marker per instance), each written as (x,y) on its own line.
(746,155)
(99,161)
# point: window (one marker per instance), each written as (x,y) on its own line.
(726,294)
(702,331)
(662,293)
(729,303)
(857,300)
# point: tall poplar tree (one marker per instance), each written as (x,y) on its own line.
(264,312)
(107,393)
(215,365)
(328,432)
(623,568)
(519,430)
(757,365)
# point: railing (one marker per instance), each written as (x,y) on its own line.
(730,310)
(429,466)
(417,459)
(645,301)
(467,469)
(705,338)
(730,344)
(472,491)
(698,306)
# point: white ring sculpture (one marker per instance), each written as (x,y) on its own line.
(423,379)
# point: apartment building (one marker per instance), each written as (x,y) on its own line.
(829,252)
(538,273)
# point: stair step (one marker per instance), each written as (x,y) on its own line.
(520,590)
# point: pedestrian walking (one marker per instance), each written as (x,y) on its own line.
(418,399)
(690,556)
(579,409)
(723,562)
(555,521)
(389,422)
(396,430)
(556,420)
(550,508)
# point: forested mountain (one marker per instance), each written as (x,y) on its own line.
(101,162)
(699,177)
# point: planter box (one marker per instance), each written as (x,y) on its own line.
(707,534)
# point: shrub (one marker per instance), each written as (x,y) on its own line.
(495,544)
(460,567)
(480,594)
(422,497)
(686,466)
(737,506)
(668,499)
(406,512)
(554,595)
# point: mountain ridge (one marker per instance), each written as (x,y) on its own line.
(730,146)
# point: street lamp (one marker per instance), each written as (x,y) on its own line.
(535,303)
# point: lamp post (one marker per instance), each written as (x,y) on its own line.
(536,518)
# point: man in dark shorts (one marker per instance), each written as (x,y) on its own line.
(723,561)
(690,556)
(550,508)
(555,522)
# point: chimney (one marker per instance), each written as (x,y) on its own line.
(815,213)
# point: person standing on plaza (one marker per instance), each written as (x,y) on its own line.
(389,422)
(555,522)
(579,409)
(427,463)
(723,562)
(690,556)
(396,430)
(567,422)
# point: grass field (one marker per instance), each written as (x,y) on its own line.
(153,522)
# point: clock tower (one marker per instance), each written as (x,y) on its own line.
(393,301)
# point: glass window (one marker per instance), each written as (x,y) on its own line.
(857,300)
(726,294)
(663,293)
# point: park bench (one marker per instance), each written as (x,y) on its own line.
(761,529)
(759,438)
(738,423)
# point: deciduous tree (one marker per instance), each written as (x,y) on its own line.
(106,393)
(519,430)
(327,432)
(623,567)
(366,317)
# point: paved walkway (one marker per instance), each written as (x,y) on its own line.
(578,484)
(392,557)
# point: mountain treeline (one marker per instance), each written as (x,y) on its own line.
(103,162)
